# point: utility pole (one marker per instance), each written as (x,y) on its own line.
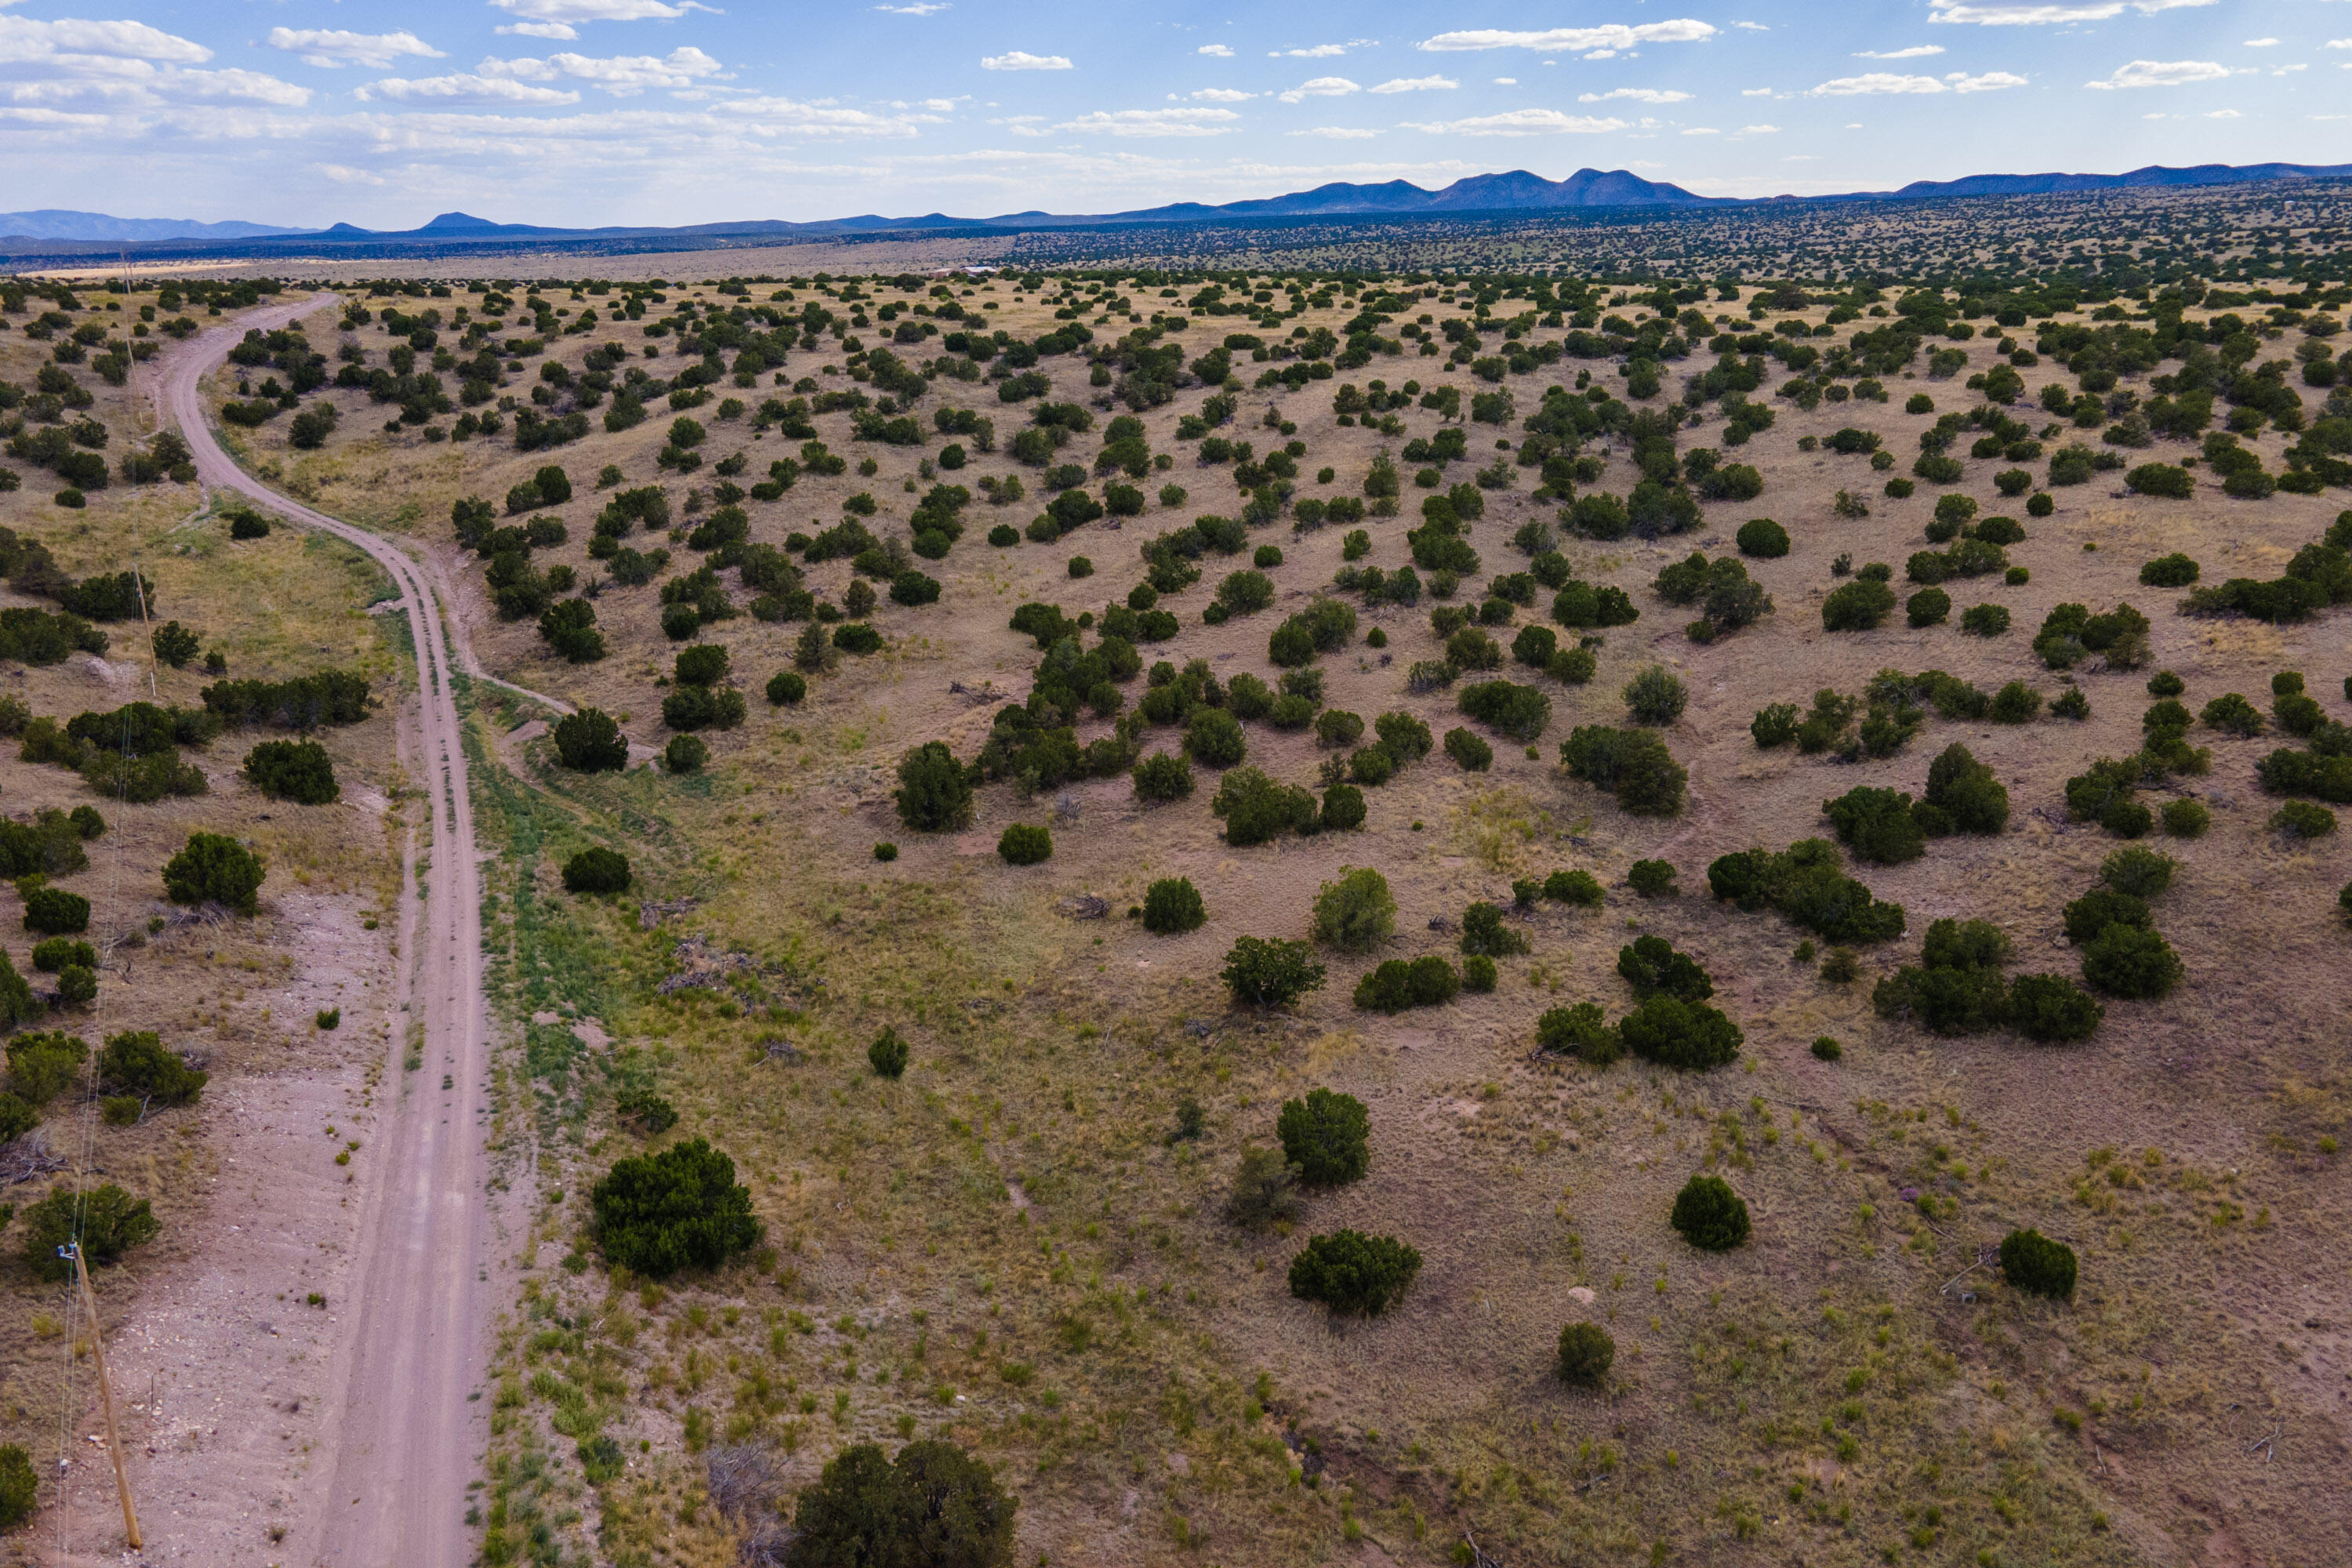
(106,1398)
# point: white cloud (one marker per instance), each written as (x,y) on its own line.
(1506,81)
(2048,15)
(1874,82)
(1990,81)
(1755,92)
(1612,37)
(2222,115)
(573,11)
(1760,131)
(1319,52)
(1917,51)
(560,32)
(1223,95)
(1153,122)
(2337,43)
(462,88)
(620,74)
(1022,60)
(2289,71)
(1320,87)
(1524,122)
(1638,94)
(344,174)
(1701,131)
(1418,84)
(822,118)
(2262,43)
(125,65)
(920,8)
(1752,27)
(2161,73)
(332,49)
(1339,133)
(1216,51)
(24,41)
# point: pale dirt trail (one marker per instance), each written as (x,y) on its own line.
(403,1432)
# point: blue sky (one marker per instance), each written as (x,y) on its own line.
(584,111)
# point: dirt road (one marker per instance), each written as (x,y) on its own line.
(403,1430)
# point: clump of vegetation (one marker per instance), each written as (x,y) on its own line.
(681,1208)
(1264,1191)
(596,870)
(1355,913)
(1261,972)
(1807,883)
(1586,1352)
(1633,764)
(934,794)
(1172,906)
(590,741)
(888,1054)
(1674,1033)
(298,771)
(1581,1031)
(1326,1137)
(933,1503)
(1651,879)
(215,868)
(1485,933)
(1710,1214)
(1352,1273)
(2033,1263)
(1653,966)
(1396,985)
(107,1221)
(1025,844)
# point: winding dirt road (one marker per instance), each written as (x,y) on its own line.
(402,1438)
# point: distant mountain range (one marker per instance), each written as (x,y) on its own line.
(1516,192)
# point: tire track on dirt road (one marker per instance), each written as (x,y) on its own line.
(406,1427)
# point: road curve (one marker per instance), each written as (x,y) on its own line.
(405,1439)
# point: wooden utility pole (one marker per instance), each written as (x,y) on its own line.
(106,1402)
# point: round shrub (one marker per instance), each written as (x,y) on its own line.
(19,1488)
(686,753)
(1162,777)
(1348,1271)
(107,1221)
(1581,1031)
(1655,697)
(2174,571)
(2052,1008)
(298,771)
(888,1054)
(55,952)
(2142,873)
(1763,538)
(2163,683)
(53,911)
(76,984)
(1827,1049)
(1585,1352)
(1985,620)
(2295,819)
(934,1503)
(1004,535)
(2033,1263)
(1927,607)
(1327,1136)
(786,688)
(1371,765)
(1213,738)
(1479,972)
(1860,605)
(215,868)
(1172,906)
(1471,752)
(2186,818)
(1711,1214)
(1343,808)
(590,741)
(1080,566)
(596,870)
(2131,962)
(1651,879)
(934,794)
(885,851)
(1025,844)
(1678,1034)
(681,1208)
(1355,913)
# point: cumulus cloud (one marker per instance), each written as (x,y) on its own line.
(1223,95)
(921,8)
(1638,94)
(1524,122)
(2050,15)
(1760,131)
(331,48)
(1752,27)
(1917,51)
(1340,133)
(560,32)
(822,119)
(1418,84)
(2222,115)
(1873,82)
(1320,87)
(1701,131)
(1990,81)
(1153,122)
(622,76)
(569,12)
(1318,52)
(1755,92)
(123,64)
(2161,73)
(1216,51)
(1614,35)
(24,41)
(1022,60)
(465,87)
(1506,81)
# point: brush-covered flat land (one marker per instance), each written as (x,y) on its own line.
(1354,917)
